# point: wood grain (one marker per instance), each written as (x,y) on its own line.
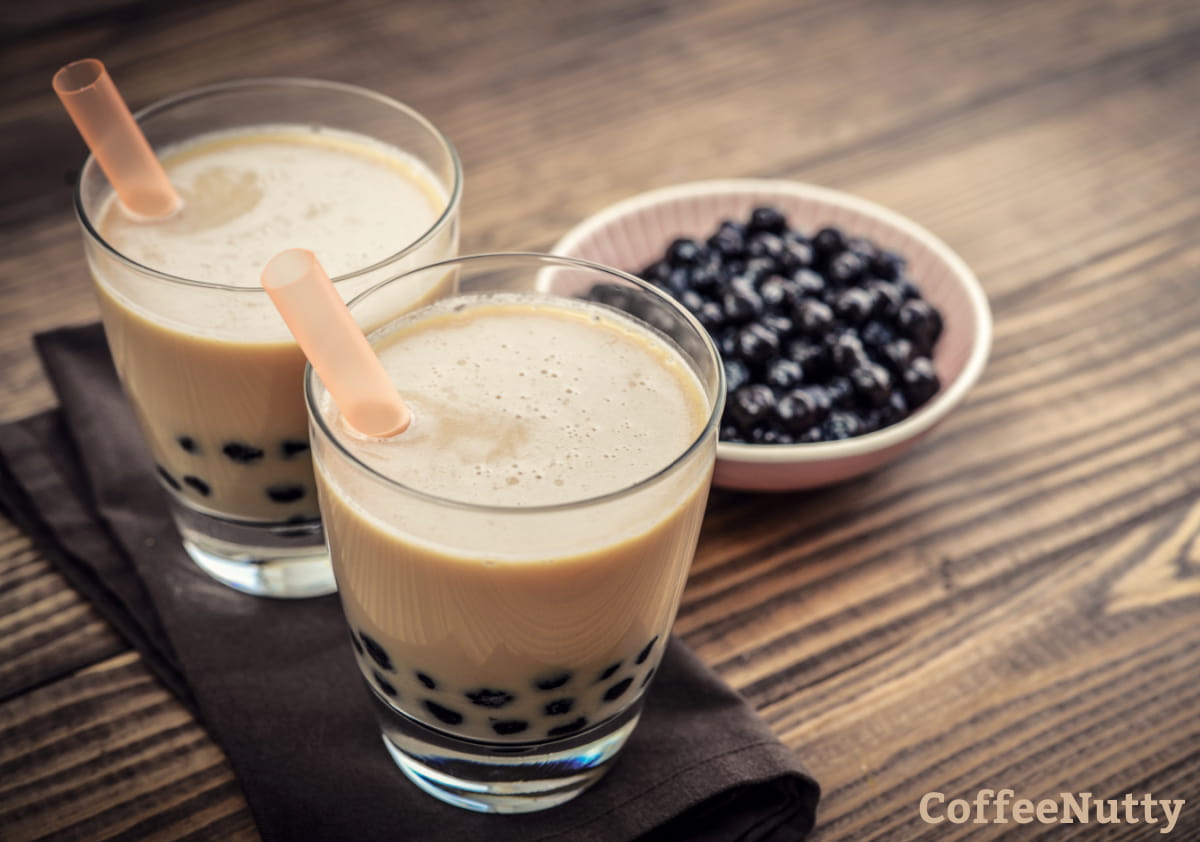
(1012,604)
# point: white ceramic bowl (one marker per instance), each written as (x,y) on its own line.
(635,232)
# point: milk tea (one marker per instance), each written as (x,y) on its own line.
(211,371)
(522,585)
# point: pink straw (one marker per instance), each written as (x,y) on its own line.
(333,343)
(109,130)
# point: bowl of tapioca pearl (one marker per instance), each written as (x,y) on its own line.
(847,331)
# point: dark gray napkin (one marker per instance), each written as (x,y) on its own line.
(275,683)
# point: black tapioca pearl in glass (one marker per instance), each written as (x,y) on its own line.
(617,690)
(198,485)
(487,698)
(376,652)
(552,682)
(386,686)
(559,707)
(645,653)
(443,713)
(649,676)
(608,672)
(188,444)
(168,479)
(243,454)
(426,680)
(358,647)
(291,447)
(568,728)
(507,727)
(285,492)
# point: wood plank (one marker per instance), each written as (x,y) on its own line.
(47,630)
(108,752)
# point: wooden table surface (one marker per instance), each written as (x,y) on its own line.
(1014,604)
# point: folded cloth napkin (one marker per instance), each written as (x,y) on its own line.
(275,684)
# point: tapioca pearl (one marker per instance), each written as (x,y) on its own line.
(507,727)
(358,647)
(291,447)
(198,485)
(646,680)
(386,686)
(617,690)
(558,707)
(376,652)
(188,444)
(168,479)
(553,682)
(569,728)
(243,454)
(645,653)
(488,698)
(427,680)
(443,713)
(285,492)
(608,672)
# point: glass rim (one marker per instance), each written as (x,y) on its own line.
(716,400)
(236,85)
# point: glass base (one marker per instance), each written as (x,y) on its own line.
(503,777)
(285,561)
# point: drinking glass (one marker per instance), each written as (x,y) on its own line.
(507,648)
(212,373)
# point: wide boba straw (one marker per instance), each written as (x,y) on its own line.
(103,119)
(327,334)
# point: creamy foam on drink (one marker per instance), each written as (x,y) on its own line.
(249,195)
(213,374)
(528,619)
